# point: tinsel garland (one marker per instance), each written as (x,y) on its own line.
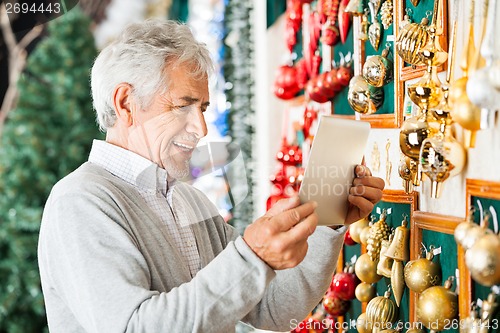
(239,62)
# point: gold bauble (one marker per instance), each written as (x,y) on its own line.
(364,235)
(483,260)
(422,273)
(473,235)
(356,228)
(427,92)
(437,306)
(362,325)
(365,292)
(366,269)
(377,70)
(381,312)
(363,97)
(463,229)
(413,133)
(457,90)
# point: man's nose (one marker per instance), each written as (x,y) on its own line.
(196,124)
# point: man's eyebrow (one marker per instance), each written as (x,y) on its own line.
(192,100)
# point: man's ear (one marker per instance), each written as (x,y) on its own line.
(123,103)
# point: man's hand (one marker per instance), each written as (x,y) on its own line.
(279,237)
(365,192)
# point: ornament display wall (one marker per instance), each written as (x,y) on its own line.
(397,204)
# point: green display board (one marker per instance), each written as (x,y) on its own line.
(395,213)
(448,257)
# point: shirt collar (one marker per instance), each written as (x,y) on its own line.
(129,166)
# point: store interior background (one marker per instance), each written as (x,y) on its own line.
(261,112)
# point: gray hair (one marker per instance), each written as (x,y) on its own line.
(139,57)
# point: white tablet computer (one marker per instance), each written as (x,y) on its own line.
(338,146)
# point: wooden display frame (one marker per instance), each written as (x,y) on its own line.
(480,188)
(437,223)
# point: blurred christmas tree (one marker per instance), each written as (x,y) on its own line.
(47,136)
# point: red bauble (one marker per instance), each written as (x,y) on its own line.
(344,21)
(309,117)
(348,240)
(334,305)
(289,155)
(285,84)
(331,34)
(344,75)
(314,91)
(344,284)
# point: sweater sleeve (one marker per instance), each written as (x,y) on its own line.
(303,286)
(100,275)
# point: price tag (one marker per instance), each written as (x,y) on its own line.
(390,38)
(353,259)
(457,279)
(496,290)
(437,251)
(389,211)
(479,302)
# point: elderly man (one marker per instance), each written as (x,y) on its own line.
(126,247)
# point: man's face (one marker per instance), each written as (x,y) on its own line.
(168,131)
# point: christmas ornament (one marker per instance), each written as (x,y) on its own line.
(386,13)
(285,84)
(489,307)
(406,174)
(481,90)
(377,69)
(363,28)
(366,269)
(344,284)
(365,292)
(348,240)
(335,306)
(434,163)
(289,154)
(463,111)
(399,251)
(422,273)
(354,7)
(472,323)
(415,2)
(437,306)
(310,116)
(462,230)
(375,30)
(364,98)
(331,34)
(344,73)
(381,312)
(356,228)
(483,260)
(362,325)
(475,233)
(315,90)
(365,232)
(411,38)
(379,231)
(413,133)
(384,265)
(344,21)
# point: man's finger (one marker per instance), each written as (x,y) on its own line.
(283,205)
(304,229)
(291,217)
(364,205)
(362,171)
(370,193)
(374,182)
